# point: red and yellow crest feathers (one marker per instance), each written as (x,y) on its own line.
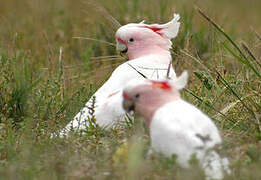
(161,84)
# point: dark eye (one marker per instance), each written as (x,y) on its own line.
(131,39)
(137,96)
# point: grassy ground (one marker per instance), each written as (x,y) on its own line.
(46,76)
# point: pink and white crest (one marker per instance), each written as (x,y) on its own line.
(140,39)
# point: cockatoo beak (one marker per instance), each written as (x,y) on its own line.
(128,103)
(121,47)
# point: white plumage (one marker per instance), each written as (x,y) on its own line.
(184,130)
(176,126)
(148,52)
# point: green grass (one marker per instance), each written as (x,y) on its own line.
(46,76)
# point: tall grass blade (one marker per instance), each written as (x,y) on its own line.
(207,104)
(256,33)
(137,71)
(238,58)
(104,13)
(97,40)
(245,61)
(236,94)
(168,71)
(250,53)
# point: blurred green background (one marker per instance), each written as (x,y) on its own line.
(46,76)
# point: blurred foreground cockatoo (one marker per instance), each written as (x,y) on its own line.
(175,126)
(148,50)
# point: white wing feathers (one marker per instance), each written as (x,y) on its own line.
(184,130)
(108,106)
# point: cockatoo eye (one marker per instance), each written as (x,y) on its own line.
(137,96)
(131,40)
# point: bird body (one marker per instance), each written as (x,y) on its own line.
(108,98)
(176,126)
(147,47)
(184,130)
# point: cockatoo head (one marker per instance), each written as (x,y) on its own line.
(139,39)
(146,96)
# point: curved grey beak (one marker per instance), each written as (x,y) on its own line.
(128,105)
(121,47)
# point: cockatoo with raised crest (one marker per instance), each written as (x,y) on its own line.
(175,126)
(148,50)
